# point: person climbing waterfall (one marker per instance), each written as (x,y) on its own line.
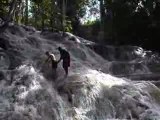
(65,56)
(52,58)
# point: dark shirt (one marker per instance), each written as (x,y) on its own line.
(64,54)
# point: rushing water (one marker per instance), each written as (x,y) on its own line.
(97,88)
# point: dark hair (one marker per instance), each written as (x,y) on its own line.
(47,52)
(59,48)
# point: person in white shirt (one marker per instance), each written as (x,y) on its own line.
(52,58)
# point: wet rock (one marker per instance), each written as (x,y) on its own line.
(16,30)
(4,43)
(15,58)
(74,39)
(29,28)
(33,41)
(1,75)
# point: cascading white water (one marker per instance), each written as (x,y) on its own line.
(29,92)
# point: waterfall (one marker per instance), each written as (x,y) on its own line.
(115,84)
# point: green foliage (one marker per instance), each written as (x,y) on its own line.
(75,9)
(50,13)
(133,22)
(47,13)
(3,8)
(90,30)
(127,20)
(90,23)
(68,27)
(123,21)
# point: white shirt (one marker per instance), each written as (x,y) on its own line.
(52,57)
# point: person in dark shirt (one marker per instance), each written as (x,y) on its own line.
(65,56)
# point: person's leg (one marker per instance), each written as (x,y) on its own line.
(66,70)
(54,68)
(54,73)
(65,67)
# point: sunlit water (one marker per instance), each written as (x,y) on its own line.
(28,90)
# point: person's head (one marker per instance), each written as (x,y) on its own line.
(47,53)
(59,48)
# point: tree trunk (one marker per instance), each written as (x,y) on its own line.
(102,17)
(102,12)
(53,15)
(23,12)
(42,17)
(35,18)
(26,12)
(64,15)
(18,12)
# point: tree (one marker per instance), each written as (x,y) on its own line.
(18,16)
(26,12)
(64,15)
(75,10)
(10,15)
(102,13)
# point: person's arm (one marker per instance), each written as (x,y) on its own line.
(47,59)
(61,56)
(59,59)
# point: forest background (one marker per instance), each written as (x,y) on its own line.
(110,22)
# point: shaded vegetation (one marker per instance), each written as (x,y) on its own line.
(124,22)
(121,22)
